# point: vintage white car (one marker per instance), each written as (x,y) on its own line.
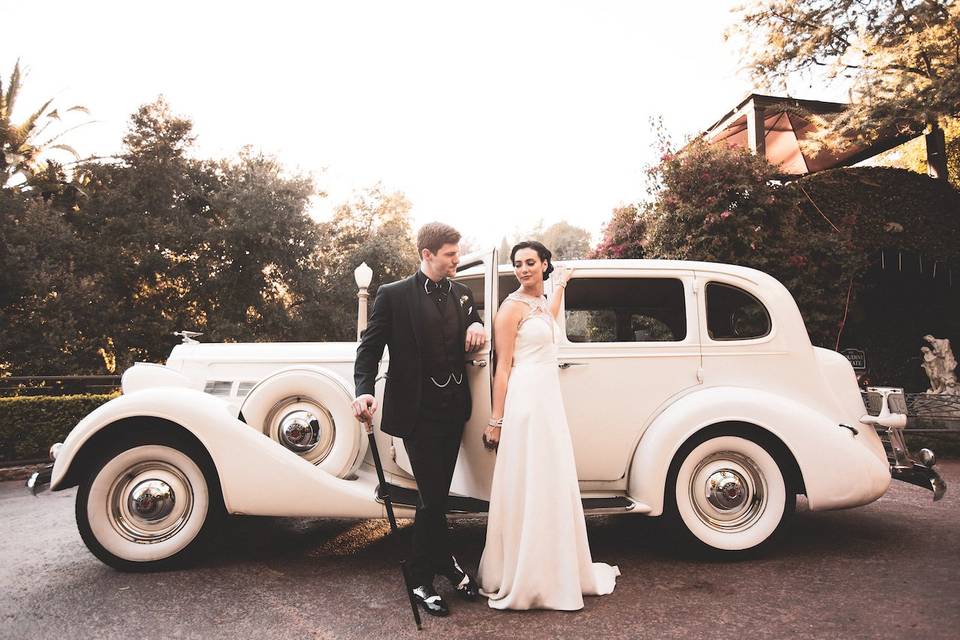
(726,412)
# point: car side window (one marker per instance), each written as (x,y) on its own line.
(734,314)
(625,310)
(475,284)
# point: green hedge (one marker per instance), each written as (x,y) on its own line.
(30,424)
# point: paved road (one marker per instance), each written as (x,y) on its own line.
(887,570)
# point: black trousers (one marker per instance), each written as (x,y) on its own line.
(432,450)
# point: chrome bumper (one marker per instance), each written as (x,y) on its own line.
(902,464)
(922,476)
(40,480)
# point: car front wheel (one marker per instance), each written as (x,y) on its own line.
(147,505)
(729,492)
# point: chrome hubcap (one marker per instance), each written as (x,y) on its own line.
(299,431)
(725,489)
(150,502)
(302,426)
(728,491)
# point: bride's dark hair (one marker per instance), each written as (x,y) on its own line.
(541,250)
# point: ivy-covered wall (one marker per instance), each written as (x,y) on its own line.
(899,258)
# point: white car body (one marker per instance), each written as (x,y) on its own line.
(632,406)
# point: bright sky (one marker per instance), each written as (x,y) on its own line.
(488,115)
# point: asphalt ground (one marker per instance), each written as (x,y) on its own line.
(887,570)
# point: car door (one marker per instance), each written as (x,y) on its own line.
(630,344)
(474,470)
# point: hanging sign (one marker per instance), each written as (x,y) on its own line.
(856,357)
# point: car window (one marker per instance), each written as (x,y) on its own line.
(734,314)
(508,284)
(475,284)
(625,310)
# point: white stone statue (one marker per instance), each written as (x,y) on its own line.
(939,364)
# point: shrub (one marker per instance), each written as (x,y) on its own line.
(29,425)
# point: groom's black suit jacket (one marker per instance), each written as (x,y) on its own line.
(397,322)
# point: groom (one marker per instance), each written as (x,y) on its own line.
(429,322)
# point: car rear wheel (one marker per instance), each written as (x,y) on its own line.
(729,492)
(148,504)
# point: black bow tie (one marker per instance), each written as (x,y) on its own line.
(430,286)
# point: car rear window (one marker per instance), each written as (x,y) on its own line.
(734,314)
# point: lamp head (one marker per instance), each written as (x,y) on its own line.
(363,275)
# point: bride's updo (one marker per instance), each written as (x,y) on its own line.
(541,250)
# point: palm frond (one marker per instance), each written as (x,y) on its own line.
(46,143)
(67,148)
(11,96)
(29,123)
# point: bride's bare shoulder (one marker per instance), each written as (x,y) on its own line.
(510,312)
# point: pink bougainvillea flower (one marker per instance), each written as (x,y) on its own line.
(726,214)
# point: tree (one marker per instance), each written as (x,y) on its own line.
(624,236)
(24,146)
(158,242)
(913,155)
(566,241)
(375,228)
(45,305)
(900,57)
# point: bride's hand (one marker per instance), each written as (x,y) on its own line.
(491,438)
(562,275)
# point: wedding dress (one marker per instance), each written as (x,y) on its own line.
(537,555)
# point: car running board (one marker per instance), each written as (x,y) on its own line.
(407,497)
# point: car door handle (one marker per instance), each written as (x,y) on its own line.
(567,365)
(477,363)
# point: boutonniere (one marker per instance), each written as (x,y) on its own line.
(463,300)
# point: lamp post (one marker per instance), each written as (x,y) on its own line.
(362,275)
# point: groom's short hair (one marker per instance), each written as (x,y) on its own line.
(434,235)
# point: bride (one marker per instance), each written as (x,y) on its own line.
(536,554)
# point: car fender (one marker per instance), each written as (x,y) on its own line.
(839,468)
(257,475)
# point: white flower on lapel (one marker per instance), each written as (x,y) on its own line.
(463,300)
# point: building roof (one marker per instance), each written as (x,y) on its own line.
(786,124)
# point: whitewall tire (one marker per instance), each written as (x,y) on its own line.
(146,506)
(309,412)
(729,493)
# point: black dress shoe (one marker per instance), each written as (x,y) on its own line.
(430,601)
(466,587)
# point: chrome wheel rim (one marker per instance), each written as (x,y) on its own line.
(150,502)
(302,426)
(728,492)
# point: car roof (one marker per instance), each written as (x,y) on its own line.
(747,273)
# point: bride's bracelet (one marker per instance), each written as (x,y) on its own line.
(495,422)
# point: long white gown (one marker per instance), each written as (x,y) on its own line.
(537,555)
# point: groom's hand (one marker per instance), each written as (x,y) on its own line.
(364,407)
(476,338)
